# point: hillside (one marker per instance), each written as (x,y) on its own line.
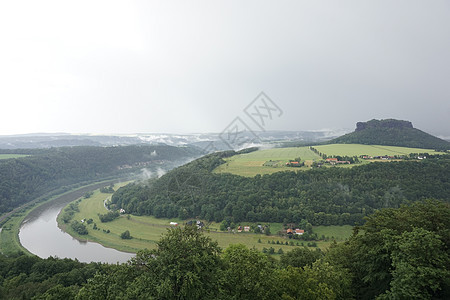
(25,178)
(324,196)
(391,132)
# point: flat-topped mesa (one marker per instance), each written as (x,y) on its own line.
(387,123)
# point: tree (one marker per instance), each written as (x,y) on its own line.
(420,265)
(300,257)
(126,235)
(319,281)
(184,265)
(247,274)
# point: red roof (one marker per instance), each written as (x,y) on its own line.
(332,159)
(299,231)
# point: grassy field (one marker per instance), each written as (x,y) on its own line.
(9,234)
(251,164)
(6,156)
(338,233)
(274,160)
(147,230)
(372,150)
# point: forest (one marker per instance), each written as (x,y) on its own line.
(399,253)
(324,196)
(24,179)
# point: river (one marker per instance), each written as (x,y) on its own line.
(40,234)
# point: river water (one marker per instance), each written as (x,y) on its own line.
(41,236)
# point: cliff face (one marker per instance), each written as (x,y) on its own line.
(388,123)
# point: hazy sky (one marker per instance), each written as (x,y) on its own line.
(193,66)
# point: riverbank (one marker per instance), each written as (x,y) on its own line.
(9,236)
(147,230)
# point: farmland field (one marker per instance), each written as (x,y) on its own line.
(251,164)
(7,156)
(273,160)
(372,150)
(147,230)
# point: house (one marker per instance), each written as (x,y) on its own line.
(240,229)
(289,231)
(331,160)
(173,223)
(246,228)
(122,211)
(299,231)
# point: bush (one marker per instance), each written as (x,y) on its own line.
(125,235)
(109,216)
(79,227)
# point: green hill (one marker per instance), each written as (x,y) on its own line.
(323,196)
(391,132)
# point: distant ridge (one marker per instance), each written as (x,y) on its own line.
(391,132)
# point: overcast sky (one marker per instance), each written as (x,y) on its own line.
(194,66)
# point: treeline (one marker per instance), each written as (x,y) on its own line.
(26,277)
(327,196)
(397,254)
(26,178)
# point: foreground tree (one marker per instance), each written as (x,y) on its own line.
(247,274)
(400,253)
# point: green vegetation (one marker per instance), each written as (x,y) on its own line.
(398,253)
(274,160)
(8,156)
(337,233)
(392,133)
(126,235)
(146,230)
(109,216)
(266,161)
(9,235)
(322,196)
(78,227)
(26,178)
(371,150)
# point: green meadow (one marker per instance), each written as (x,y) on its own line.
(274,160)
(372,150)
(251,164)
(7,156)
(147,230)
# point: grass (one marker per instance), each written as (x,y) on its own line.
(9,235)
(7,156)
(372,150)
(338,233)
(251,164)
(270,161)
(147,230)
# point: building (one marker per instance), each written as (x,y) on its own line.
(299,231)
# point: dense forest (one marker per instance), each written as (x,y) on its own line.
(26,178)
(398,253)
(391,132)
(323,196)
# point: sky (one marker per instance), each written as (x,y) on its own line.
(195,66)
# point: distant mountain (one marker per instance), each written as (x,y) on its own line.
(201,140)
(391,132)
